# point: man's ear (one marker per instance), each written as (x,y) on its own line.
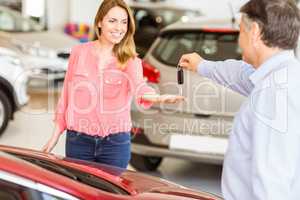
(255,33)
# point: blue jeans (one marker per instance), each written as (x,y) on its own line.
(112,150)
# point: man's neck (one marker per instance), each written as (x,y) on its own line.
(264,54)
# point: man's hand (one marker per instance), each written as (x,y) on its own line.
(190,61)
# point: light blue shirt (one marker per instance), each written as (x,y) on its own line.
(262,161)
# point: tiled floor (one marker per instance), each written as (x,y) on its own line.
(33,126)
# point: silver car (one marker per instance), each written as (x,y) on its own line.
(197,129)
(13,86)
(43,52)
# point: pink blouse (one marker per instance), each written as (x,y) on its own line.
(98,101)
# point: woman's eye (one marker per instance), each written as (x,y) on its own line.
(112,20)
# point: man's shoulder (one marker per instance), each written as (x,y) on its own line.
(284,76)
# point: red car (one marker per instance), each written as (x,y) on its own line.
(28,174)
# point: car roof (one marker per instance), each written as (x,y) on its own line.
(207,24)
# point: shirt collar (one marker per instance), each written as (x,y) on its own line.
(270,65)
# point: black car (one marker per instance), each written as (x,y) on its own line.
(150,18)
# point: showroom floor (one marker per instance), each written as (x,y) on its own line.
(33,126)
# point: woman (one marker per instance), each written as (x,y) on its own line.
(102,78)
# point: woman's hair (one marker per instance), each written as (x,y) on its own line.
(124,50)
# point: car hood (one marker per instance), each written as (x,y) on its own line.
(48,39)
(136,184)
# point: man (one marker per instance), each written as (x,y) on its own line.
(263,158)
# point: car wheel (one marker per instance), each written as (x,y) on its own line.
(5,111)
(145,163)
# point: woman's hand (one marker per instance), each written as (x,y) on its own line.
(51,142)
(166,98)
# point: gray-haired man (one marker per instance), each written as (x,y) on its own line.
(263,158)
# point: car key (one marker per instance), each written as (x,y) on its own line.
(180,79)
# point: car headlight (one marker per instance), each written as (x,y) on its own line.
(16,61)
(42,52)
(13,60)
(36,50)
(184,18)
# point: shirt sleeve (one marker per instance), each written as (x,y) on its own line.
(276,149)
(138,85)
(59,117)
(233,74)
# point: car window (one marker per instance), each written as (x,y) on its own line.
(212,46)
(218,46)
(171,47)
(14,191)
(7,22)
(144,18)
(159,17)
(13,21)
(79,176)
(170,16)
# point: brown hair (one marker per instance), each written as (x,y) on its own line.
(125,50)
(278,20)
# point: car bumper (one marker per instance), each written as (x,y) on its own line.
(148,150)
(20,90)
(45,78)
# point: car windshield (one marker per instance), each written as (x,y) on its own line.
(13,21)
(74,174)
(164,16)
(171,15)
(210,45)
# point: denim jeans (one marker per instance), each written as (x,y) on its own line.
(112,150)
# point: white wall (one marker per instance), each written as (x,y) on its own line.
(85,11)
(58,13)
(216,8)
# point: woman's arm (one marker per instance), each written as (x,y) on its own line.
(138,85)
(59,118)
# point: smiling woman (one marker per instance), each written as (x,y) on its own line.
(102,79)
(114,24)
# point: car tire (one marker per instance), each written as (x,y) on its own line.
(145,163)
(5,111)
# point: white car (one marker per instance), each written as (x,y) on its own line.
(44,52)
(13,86)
